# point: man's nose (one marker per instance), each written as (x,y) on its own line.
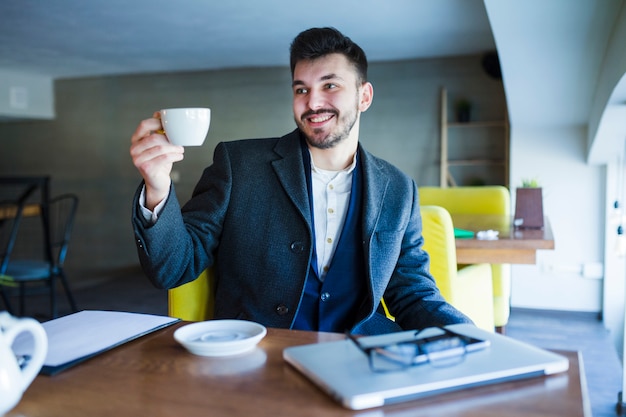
(316,100)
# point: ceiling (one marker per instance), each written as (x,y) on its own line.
(552,53)
(78,38)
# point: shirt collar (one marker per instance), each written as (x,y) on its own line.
(347,170)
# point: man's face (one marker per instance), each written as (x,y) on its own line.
(326,99)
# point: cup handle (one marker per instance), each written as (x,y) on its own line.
(40,338)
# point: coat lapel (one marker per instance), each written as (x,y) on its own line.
(290,172)
(375,183)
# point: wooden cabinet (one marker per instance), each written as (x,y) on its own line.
(473,152)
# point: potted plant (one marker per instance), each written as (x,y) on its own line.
(463,110)
(529,205)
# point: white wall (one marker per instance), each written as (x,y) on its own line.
(562,66)
(573,193)
(607,133)
(614,263)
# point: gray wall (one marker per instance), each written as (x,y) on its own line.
(85,149)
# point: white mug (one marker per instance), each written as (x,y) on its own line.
(15,379)
(186,126)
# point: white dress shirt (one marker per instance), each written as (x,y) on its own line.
(331,196)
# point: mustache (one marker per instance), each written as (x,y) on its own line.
(319,111)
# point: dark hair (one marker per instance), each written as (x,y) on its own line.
(317,42)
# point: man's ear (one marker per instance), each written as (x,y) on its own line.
(366,96)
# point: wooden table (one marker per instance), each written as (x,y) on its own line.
(20,186)
(154,376)
(8,211)
(513,246)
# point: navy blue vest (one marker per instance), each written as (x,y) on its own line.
(332,305)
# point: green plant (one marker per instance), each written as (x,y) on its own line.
(462,108)
(462,104)
(530,183)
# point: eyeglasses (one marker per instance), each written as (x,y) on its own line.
(445,348)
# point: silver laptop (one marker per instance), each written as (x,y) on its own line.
(344,370)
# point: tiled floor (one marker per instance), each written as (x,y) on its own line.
(576,331)
(129,290)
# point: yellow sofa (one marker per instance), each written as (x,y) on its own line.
(479,200)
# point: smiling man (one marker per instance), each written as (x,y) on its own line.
(306,231)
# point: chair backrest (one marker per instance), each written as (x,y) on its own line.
(468,289)
(479,200)
(9,226)
(61,215)
(8,234)
(194,301)
(490,199)
(438,234)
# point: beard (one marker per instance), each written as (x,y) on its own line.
(323,139)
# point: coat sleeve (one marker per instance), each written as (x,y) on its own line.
(412,295)
(180,245)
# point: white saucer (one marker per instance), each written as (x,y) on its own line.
(220,337)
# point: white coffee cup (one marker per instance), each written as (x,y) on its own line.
(186,126)
(15,379)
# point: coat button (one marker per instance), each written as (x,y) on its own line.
(282,309)
(325,296)
(297,247)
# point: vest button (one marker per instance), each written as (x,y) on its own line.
(324,296)
(282,309)
(297,247)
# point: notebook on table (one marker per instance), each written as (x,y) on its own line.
(342,369)
(80,336)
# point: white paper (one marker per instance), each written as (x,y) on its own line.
(487,235)
(88,332)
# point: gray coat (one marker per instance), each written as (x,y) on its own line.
(249,216)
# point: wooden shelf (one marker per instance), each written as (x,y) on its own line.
(495,158)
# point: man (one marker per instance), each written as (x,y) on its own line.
(307,231)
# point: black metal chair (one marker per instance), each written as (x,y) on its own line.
(12,213)
(58,220)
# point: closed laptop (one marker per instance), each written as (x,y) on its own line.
(344,370)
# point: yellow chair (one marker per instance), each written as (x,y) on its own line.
(469,288)
(194,301)
(479,200)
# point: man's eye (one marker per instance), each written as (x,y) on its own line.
(330,86)
(301,91)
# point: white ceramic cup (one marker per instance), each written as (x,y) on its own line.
(14,379)
(186,126)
